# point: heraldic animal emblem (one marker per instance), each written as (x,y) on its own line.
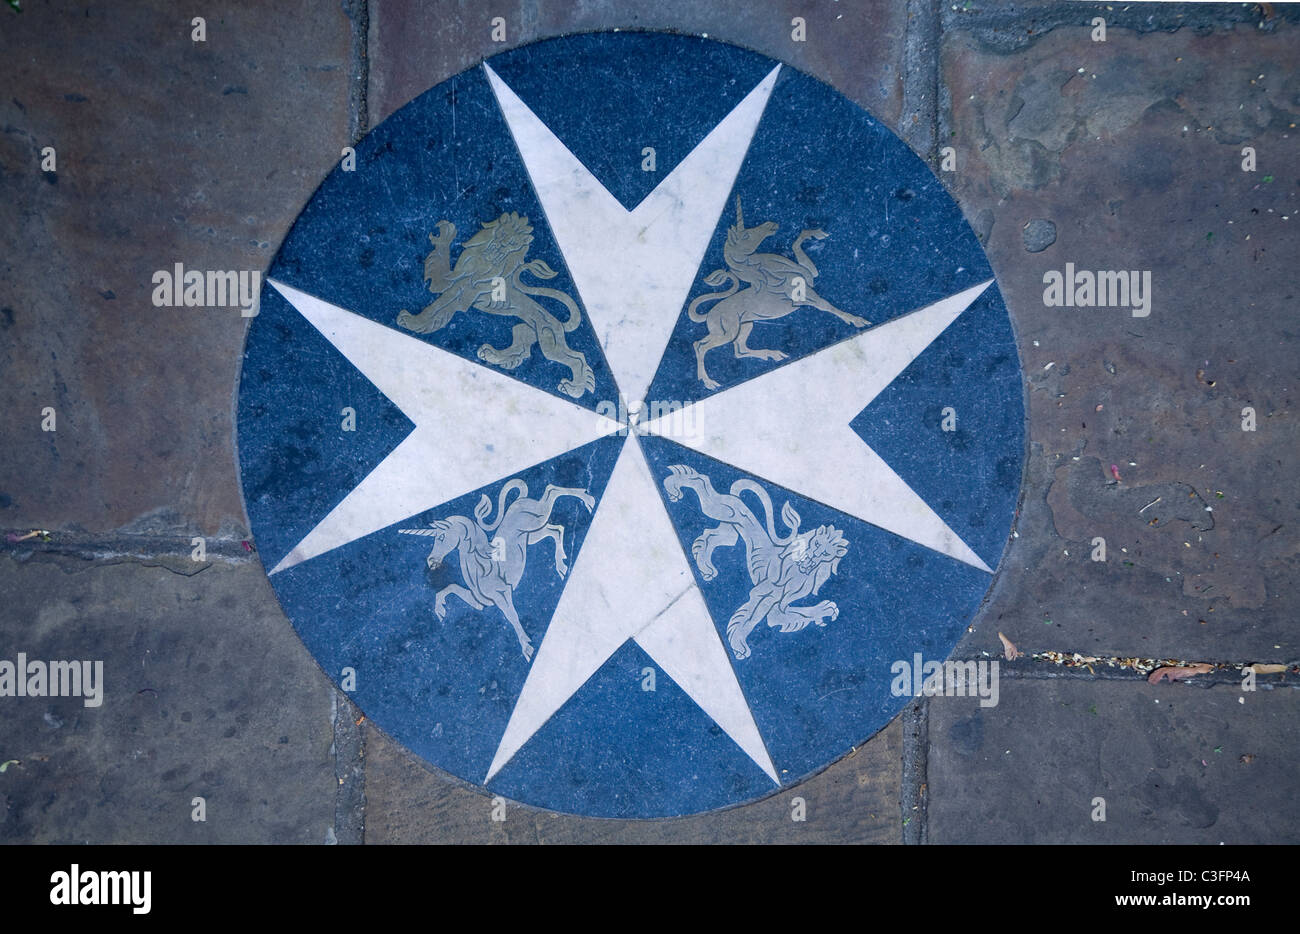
(782,569)
(492,569)
(774,287)
(487,277)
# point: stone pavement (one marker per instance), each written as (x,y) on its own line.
(1125,153)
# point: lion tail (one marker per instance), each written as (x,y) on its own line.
(788,514)
(540,269)
(575,314)
(717,277)
(484,507)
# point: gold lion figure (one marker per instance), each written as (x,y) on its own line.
(487,277)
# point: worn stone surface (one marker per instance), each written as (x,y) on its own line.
(203,154)
(1137,160)
(853,801)
(857,47)
(1175,764)
(207,693)
(168,151)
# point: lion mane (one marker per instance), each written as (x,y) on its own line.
(487,277)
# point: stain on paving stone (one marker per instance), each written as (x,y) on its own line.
(967,734)
(1085,487)
(1182,799)
(1026,110)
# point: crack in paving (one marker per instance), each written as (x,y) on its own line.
(914,784)
(348,750)
(1134,668)
(175,553)
(358,14)
(919,121)
(1007,29)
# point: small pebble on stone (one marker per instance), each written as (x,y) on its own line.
(1039,235)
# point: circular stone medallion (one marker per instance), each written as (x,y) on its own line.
(630,424)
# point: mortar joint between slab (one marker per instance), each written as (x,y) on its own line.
(358,13)
(349,772)
(914,785)
(1129,668)
(118,547)
(920,113)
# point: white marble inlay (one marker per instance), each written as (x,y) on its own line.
(631,581)
(472,426)
(634,269)
(791,426)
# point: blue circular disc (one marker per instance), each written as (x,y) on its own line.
(626,420)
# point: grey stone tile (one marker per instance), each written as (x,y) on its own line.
(207,692)
(1027,770)
(1132,148)
(855,800)
(857,47)
(168,151)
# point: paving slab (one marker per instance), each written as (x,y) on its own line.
(857,47)
(1070,154)
(1132,149)
(853,801)
(167,151)
(1175,763)
(206,692)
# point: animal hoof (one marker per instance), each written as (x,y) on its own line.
(858,322)
(818,234)
(572,389)
(440,610)
(710,383)
(528,651)
(561,568)
(588,500)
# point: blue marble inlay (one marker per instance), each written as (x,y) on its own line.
(682,616)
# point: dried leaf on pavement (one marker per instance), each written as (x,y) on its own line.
(1177,673)
(1009,649)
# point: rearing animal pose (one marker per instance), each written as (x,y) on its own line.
(492,569)
(774,286)
(487,277)
(782,568)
